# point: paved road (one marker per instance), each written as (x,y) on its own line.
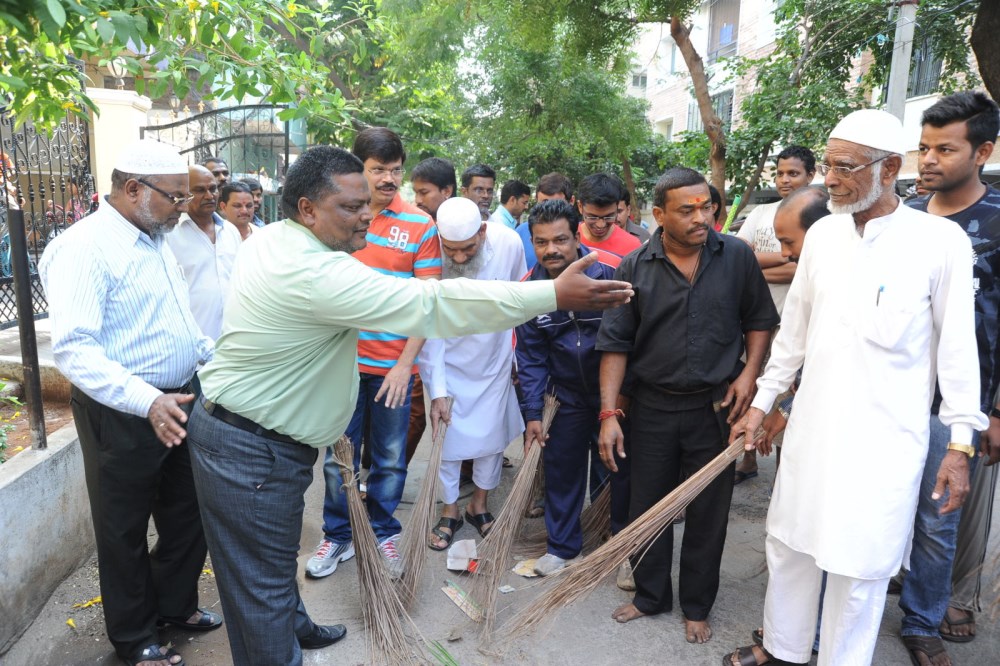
(582,634)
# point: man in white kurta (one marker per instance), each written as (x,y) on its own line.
(473,370)
(880,303)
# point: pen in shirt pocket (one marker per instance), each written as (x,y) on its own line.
(878,296)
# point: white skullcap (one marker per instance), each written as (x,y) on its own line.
(874,129)
(458,219)
(151,158)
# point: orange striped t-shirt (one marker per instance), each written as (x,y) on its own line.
(402,242)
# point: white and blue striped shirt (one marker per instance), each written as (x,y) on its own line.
(122,326)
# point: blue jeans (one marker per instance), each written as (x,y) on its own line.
(927,586)
(388,471)
(252,493)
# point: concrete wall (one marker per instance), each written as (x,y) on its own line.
(123,112)
(46,531)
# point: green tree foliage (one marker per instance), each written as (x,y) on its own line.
(228,48)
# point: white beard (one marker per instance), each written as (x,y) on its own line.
(874,194)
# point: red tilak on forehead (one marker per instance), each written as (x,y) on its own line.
(694,201)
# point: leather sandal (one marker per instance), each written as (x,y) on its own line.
(483,522)
(207,622)
(154,652)
(931,646)
(453,524)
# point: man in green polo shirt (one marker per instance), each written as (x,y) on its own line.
(284,380)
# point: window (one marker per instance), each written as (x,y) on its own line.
(639,80)
(722,103)
(723,26)
(925,71)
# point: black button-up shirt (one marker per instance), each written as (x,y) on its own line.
(683,337)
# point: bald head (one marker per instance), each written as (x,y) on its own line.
(796,213)
(205,193)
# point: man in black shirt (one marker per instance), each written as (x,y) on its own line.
(699,297)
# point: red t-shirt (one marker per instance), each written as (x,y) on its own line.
(619,242)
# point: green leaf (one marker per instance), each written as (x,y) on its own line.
(56,12)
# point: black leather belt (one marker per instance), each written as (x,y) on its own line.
(241,422)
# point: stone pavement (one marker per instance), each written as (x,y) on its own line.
(580,634)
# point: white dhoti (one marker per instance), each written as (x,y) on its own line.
(485,474)
(852,610)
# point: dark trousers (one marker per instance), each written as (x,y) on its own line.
(566,459)
(252,496)
(667,447)
(418,418)
(131,476)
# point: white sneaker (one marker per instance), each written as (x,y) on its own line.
(328,555)
(548,564)
(625,580)
(390,553)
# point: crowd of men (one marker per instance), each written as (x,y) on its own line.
(213,356)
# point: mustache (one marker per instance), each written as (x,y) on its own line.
(550,257)
(700,227)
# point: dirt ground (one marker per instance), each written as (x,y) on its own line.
(580,635)
(19,436)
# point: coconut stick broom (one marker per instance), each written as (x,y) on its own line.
(414,547)
(580,578)
(495,550)
(383,612)
(595,523)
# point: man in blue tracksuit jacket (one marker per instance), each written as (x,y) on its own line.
(555,353)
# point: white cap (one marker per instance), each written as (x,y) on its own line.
(151,158)
(872,128)
(458,219)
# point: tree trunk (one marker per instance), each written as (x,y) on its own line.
(713,124)
(630,184)
(986,46)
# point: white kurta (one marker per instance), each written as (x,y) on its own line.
(869,320)
(475,370)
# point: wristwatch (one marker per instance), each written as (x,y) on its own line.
(967,449)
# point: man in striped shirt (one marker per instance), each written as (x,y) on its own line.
(402,242)
(124,336)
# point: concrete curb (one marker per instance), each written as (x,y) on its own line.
(46,531)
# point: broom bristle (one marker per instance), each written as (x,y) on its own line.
(495,550)
(414,547)
(383,612)
(595,523)
(580,578)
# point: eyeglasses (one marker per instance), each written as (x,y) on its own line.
(378,172)
(177,201)
(609,219)
(846,172)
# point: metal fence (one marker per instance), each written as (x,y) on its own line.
(49,179)
(249,138)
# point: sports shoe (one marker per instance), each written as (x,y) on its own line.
(328,555)
(548,564)
(393,561)
(625,581)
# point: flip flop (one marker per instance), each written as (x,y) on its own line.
(153,652)
(931,646)
(478,521)
(507,463)
(453,524)
(743,476)
(957,638)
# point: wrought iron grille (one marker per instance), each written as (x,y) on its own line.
(250,138)
(49,178)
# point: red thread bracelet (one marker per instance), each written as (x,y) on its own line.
(608,413)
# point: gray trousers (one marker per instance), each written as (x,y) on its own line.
(973,537)
(251,491)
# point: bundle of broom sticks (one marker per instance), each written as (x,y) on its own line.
(383,612)
(495,550)
(595,523)
(414,546)
(580,578)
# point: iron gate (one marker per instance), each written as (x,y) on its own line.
(48,178)
(249,138)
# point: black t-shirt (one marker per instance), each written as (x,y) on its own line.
(682,337)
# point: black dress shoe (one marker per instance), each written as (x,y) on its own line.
(322,636)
